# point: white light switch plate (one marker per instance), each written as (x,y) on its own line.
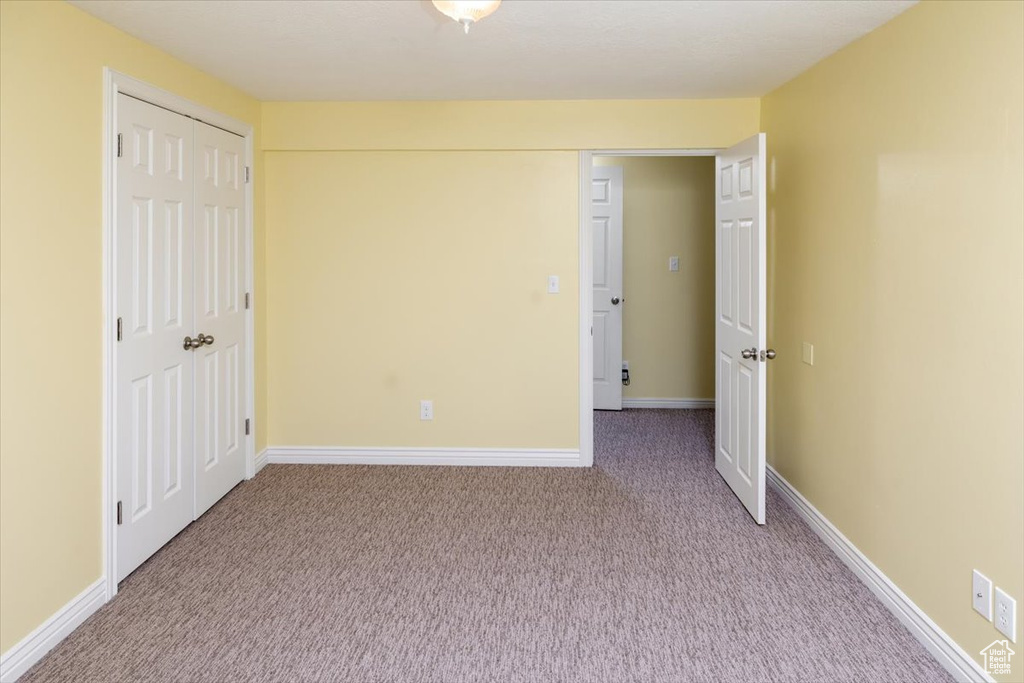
(807,353)
(673,264)
(1006,615)
(552,284)
(981,594)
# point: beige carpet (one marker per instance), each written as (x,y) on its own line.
(645,568)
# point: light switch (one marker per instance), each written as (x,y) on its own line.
(807,353)
(552,284)
(981,594)
(673,264)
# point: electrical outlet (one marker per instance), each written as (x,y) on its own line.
(1006,615)
(426,410)
(981,594)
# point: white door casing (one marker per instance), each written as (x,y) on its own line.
(153,284)
(606,222)
(220,313)
(740,328)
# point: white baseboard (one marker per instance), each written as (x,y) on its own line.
(35,645)
(946,652)
(689,403)
(261,460)
(505,457)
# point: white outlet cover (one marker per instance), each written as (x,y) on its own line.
(981,594)
(426,410)
(1006,615)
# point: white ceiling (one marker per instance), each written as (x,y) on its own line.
(528,49)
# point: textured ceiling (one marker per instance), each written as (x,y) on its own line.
(528,49)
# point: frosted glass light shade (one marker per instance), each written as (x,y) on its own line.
(466,12)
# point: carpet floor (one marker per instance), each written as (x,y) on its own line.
(643,568)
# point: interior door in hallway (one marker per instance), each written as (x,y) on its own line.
(220,312)
(153,281)
(740,327)
(606,217)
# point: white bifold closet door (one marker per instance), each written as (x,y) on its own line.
(179,274)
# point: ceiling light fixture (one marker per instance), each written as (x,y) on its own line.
(466,12)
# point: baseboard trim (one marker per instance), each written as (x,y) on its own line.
(946,652)
(682,403)
(35,645)
(261,460)
(497,457)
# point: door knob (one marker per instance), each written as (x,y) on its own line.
(768,354)
(615,301)
(749,353)
(191,344)
(205,339)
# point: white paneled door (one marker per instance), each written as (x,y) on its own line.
(740,322)
(606,217)
(220,312)
(154,304)
(181,338)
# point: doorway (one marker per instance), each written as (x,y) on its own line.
(653,222)
(739,323)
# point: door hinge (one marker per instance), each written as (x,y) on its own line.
(246,174)
(120,330)
(120,149)
(247,426)
(119,512)
(247,301)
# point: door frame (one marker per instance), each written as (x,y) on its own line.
(586,282)
(115,83)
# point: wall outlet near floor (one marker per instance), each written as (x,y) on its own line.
(807,353)
(426,410)
(981,594)
(1006,615)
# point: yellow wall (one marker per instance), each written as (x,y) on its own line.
(431,264)
(505,125)
(896,242)
(51,304)
(400,276)
(668,328)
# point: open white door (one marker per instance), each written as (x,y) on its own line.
(740,306)
(606,216)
